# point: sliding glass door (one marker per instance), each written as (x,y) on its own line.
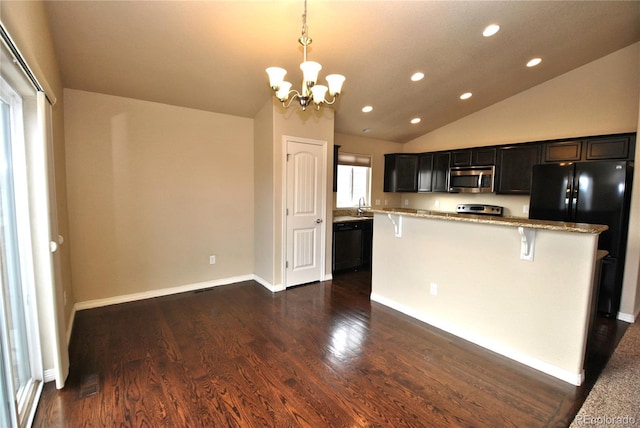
(18,324)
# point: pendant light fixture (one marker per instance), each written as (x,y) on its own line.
(310,93)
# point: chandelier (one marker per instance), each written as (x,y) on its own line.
(311,93)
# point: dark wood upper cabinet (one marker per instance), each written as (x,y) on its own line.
(335,167)
(608,148)
(428,172)
(400,172)
(564,151)
(425,172)
(460,158)
(515,165)
(439,180)
(483,156)
(473,157)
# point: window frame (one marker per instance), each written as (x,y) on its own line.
(353,160)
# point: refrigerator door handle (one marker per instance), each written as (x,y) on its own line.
(570,198)
(575,190)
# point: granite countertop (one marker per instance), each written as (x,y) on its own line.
(499,221)
(343,215)
(345,218)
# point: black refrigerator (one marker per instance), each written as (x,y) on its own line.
(590,192)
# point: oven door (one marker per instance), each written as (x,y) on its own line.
(471,180)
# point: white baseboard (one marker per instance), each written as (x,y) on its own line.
(499,348)
(266,284)
(70,322)
(630,318)
(49,375)
(125,298)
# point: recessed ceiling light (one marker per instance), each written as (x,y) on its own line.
(417,76)
(533,62)
(466,96)
(366,130)
(415,120)
(367,109)
(491,30)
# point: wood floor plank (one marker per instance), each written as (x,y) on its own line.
(320,355)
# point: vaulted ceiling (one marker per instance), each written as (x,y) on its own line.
(212,55)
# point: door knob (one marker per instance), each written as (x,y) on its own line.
(319,220)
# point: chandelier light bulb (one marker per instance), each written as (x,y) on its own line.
(310,70)
(318,92)
(335,82)
(276,76)
(283,91)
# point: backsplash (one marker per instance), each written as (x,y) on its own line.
(514,205)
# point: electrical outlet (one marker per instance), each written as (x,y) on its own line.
(525,209)
(434,289)
(386,202)
(377,202)
(406,202)
(437,203)
(212,260)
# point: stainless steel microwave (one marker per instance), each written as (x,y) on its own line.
(472,179)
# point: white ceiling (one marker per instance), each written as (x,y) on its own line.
(211,55)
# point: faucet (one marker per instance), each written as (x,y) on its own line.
(360,206)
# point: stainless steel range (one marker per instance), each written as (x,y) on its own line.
(479,209)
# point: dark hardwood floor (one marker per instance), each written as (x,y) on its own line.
(319,355)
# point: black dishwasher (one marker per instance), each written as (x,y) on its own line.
(352,245)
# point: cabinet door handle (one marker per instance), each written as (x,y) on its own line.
(319,220)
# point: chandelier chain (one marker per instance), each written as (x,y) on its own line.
(304,20)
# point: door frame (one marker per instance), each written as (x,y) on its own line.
(322,203)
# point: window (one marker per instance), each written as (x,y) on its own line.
(21,379)
(354,180)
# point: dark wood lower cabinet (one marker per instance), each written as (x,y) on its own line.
(352,242)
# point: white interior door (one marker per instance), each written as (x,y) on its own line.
(305,211)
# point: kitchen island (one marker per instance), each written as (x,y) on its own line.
(522,288)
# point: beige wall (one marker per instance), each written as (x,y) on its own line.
(536,312)
(630,302)
(28,26)
(264,182)
(377,150)
(271,124)
(311,124)
(154,190)
(602,97)
(598,98)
